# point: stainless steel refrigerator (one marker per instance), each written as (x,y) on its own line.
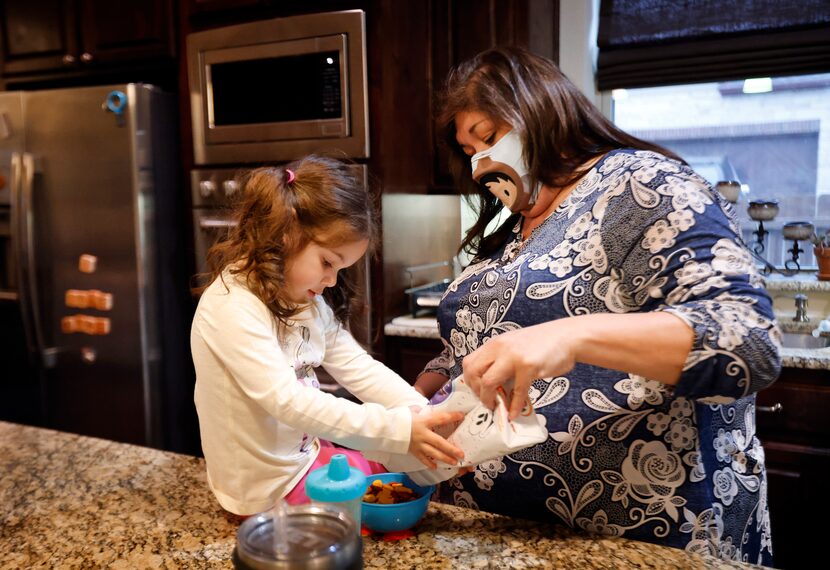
(93,264)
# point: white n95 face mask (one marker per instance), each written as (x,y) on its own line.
(502,170)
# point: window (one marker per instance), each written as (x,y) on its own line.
(776,142)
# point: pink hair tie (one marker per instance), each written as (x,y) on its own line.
(291,176)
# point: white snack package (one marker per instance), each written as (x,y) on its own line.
(482,435)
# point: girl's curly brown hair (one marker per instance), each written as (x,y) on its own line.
(327,203)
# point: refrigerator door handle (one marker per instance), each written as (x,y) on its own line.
(19,249)
(23,175)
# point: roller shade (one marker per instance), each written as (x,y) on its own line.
(662,42)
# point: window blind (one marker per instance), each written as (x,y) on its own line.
(646,43)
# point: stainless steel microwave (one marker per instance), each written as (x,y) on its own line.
(279,89)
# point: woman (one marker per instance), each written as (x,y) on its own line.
(620,300)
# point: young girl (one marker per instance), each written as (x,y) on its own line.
(274,310)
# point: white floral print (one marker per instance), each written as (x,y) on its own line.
(681,435)
(726,487)
(658,423)
(640,390)
(660,236)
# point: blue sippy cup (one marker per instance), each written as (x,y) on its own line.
(338,484)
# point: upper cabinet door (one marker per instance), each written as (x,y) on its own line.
(416,45)
(53,36)
(127,30)
(37,35)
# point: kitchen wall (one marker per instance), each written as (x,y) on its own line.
(417,230)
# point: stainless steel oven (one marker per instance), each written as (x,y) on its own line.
(212,193)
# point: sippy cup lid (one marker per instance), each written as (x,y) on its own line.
(335,482)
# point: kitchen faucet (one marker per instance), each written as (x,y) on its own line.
(801,308)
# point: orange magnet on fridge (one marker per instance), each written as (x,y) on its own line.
(69,325)
(100,300)
(75,298)
(102,325)
(87,263)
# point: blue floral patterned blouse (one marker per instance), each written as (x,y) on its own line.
(628,456)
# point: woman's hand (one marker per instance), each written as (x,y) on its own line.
(427,445)
(519,356)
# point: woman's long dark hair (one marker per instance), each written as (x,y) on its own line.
(559,127)
(325,203)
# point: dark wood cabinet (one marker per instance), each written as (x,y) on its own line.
(83,36)
(211,6)
(38,35)
(794,427)
(417,45)
(408,355)
(128,30)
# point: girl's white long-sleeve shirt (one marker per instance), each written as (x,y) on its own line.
(260,408)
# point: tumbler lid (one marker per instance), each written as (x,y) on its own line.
(315,537)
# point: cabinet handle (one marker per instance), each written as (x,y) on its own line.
(68,59)
(86,57)
(776,408)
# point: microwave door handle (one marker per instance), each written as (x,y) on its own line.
(27,261)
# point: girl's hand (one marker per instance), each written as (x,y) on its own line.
(427,445)
(522,356)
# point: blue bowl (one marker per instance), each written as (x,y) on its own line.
(400,516)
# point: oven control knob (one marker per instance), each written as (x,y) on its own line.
(231,187)
(207,188)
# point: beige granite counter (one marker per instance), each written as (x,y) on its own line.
(70,501)
(801,282)
(413,327)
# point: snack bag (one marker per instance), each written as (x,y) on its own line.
(482,435)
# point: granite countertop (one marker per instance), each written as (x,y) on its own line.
(802,282)
(413,327)
(70,501)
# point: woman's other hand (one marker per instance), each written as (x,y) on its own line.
(429,382)
(427,445)
(519,356)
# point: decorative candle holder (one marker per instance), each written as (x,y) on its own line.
(762,211)
(796,231)
(730,189)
